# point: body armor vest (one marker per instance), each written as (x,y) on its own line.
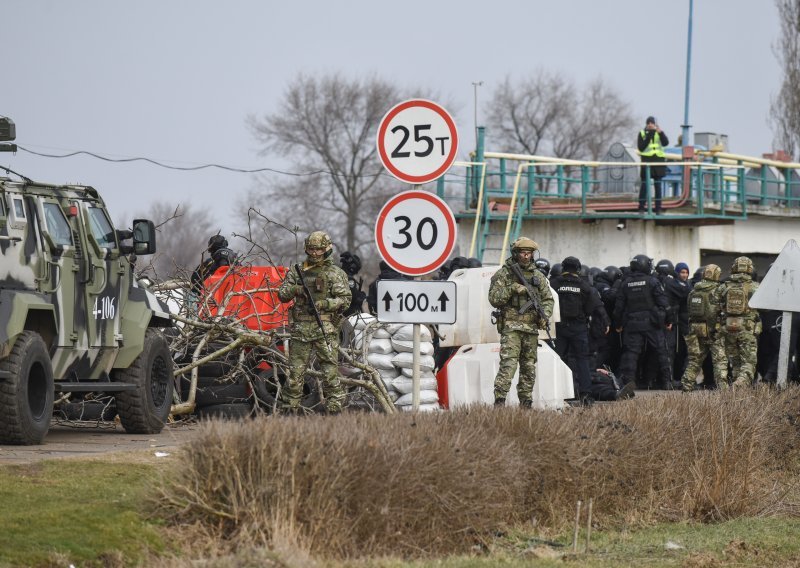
(639,294)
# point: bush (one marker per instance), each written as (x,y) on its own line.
(366,485)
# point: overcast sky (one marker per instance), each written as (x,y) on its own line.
(175,80)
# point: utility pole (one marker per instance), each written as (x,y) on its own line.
(685,125)
(475,86)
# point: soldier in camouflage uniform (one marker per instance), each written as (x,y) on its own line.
(741,324)
(704,337)
(519,333)
(331,292)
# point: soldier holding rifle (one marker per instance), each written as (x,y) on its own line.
(524,305)
(321,293)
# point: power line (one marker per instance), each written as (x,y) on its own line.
(198,167)
(169,167)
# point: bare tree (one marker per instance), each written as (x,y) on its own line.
(547,113)
(785,107)
(183,233)
(326,126)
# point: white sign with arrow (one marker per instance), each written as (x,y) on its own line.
(417,301)
(780,290)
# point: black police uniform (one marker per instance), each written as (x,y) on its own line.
(642,310)
(577,301)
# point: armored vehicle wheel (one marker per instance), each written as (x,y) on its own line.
(145,409)
(26,392)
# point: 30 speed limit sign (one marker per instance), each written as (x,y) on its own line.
(417,141)
(415,232)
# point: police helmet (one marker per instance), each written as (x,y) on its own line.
(595,273)
(612,274)
(556,270)
(474,262)
(458,263)
(543,265)
(319,240)
(665,267)
(217,242)
(712,272)
(350,263)
(642,263)
(742,265)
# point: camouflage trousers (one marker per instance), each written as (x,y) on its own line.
(741,348)
(327,356)
(517,347)
(698,348)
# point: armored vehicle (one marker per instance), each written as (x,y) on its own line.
(73,317)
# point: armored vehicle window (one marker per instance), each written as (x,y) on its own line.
(101,228)
(57,225)
(19,208)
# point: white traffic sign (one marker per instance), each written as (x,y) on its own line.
(417,301)
(780,289)
(417,141)
(415,232)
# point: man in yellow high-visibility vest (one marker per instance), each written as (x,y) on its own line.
(651,142)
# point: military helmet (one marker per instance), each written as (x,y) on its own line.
(319,240)
(217,242)
(712,272)
(642,263)
(543,265)
(524,243)
(742,265)
(665,267)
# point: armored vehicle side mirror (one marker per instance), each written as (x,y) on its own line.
(8,131)
(144,236)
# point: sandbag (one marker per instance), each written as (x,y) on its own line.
(381,360)
(406,333)
(380,346)
(433,407)
(405,385)
(360,321)
(425,397)
(406,361)
(402,346)
(426,374)
(389,374)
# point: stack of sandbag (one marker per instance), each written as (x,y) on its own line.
(389,349)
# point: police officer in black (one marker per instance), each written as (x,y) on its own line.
(219,255)
(677,292)
(641,314)
(577,303)
(351,264)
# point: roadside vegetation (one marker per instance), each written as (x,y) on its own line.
(707,479)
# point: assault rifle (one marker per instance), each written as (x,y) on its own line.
(312,307)
(533,300)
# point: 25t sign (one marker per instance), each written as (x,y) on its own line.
(415,232)
(417,141)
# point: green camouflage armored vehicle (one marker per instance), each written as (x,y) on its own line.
(73,317)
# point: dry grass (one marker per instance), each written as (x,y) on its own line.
(372,485)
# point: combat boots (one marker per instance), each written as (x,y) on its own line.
(499,401)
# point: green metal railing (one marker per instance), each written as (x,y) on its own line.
(506,189)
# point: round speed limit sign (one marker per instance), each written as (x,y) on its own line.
(417,141)
(415,232)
